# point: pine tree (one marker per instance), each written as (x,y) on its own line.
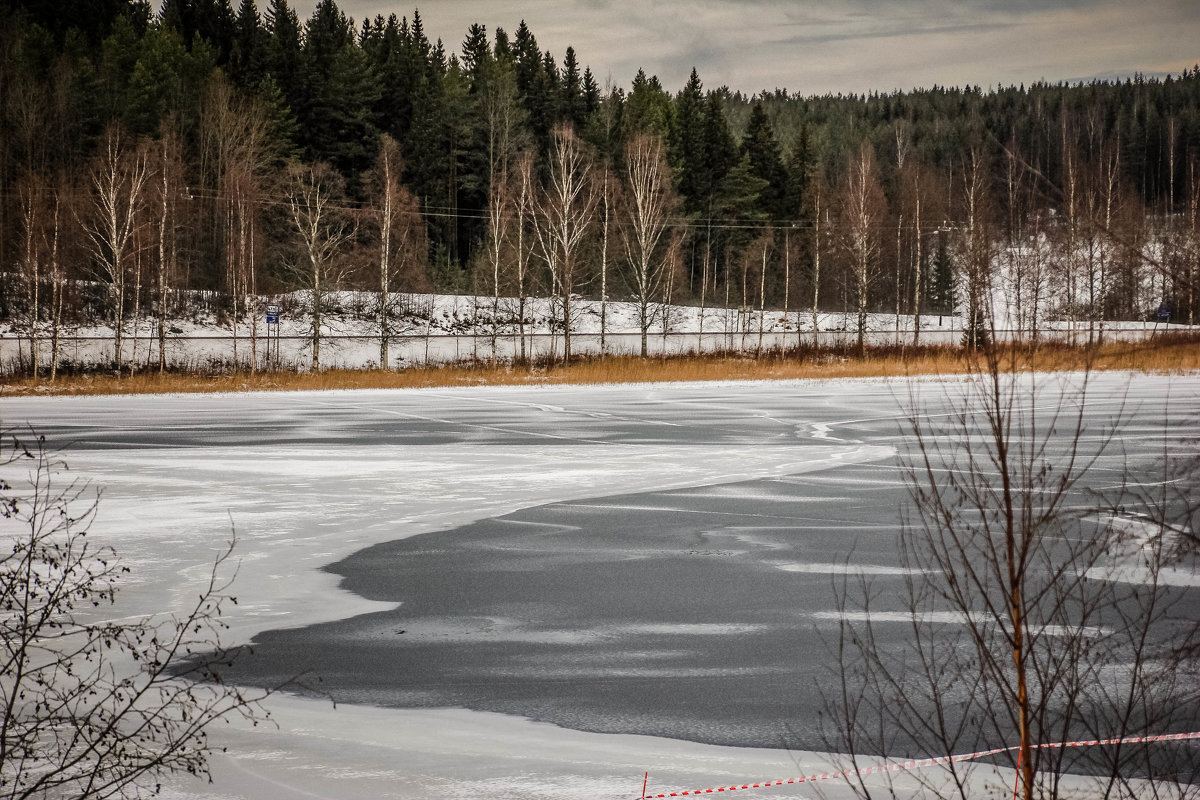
(396,60)
(528,59)
(282,143)
(118,56)
(216,24)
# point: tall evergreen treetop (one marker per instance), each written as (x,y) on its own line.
(283,50)
(591,92)
(648,107)
(687,156)
(503,49)
(476,52)
(573,107)
(766,163)
(340,93)
(720,151)
(529,59)
(247,59)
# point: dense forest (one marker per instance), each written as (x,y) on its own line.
(153,158)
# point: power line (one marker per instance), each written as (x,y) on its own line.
(484,215)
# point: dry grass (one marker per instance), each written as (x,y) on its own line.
(1166,354)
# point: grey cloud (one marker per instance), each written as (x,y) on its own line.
(890,33)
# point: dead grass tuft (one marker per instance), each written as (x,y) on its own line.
(1166,354)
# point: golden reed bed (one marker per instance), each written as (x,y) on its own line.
(1167,354)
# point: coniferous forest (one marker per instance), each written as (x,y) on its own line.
(156,158)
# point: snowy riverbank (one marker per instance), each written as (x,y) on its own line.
(449,328)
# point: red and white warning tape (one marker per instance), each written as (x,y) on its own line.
(902,766)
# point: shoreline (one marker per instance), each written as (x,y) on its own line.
(1174,354)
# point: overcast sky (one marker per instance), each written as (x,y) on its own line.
(819,46)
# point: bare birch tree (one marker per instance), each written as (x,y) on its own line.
(1193,236)
(819,232)
(504,116)
(58,274)
(401,235)
(915,193)
(168,184)
(524,210)
(1017,250)
(765,241)
(235,135)
(499,218)
(118,178)
(862,208)
(1067,247)
(564,215)
(977,252)
(323,232)
(650,201)
(33,202)
(609,199)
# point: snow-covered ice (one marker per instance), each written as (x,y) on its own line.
(309,478)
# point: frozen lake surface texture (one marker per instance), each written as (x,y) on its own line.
(648,569)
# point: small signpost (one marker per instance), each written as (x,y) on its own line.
(1163,315)
(273,335)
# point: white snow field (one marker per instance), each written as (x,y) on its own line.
(309,478)
(450,328)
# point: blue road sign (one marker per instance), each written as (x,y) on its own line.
(1164,311)
(272,313)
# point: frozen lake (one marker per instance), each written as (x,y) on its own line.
(695,613)
(654,560)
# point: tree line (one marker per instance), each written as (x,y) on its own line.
(148,157)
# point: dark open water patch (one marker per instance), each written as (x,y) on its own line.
(686,614)
(707,614)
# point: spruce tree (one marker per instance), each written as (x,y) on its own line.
(283,51)
(766,164)
(476,53)
(687,144)
(591,92)
(800,167)
(340,92)
(941,280)
(648,108)
(247,59)
(720,153)
(572,103)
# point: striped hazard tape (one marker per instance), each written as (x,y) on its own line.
(919,763)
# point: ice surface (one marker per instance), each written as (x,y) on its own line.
(309,478)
